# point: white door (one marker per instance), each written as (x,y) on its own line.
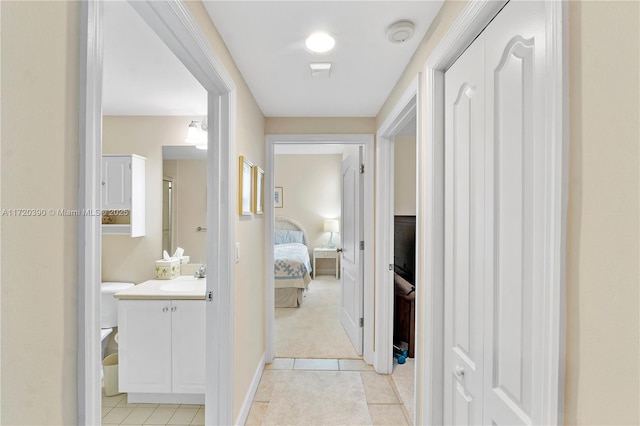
(464,237)
(515,211)
(494,223)
(351,232)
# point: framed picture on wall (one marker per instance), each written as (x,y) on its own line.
(258,190)
(278,202)
(244,186)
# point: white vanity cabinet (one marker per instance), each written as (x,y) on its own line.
(161,350)
(123,191)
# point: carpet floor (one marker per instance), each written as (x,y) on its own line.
(313,330)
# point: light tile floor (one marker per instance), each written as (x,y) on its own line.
(117,411)
(375,391)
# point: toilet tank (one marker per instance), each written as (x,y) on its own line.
(109,304)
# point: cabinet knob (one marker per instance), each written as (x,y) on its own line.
(173,309)
(459,371)
(165,309)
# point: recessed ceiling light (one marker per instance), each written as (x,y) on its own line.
(320,42)
(400,32)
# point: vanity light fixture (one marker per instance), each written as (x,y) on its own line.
(320,42)
(197,134)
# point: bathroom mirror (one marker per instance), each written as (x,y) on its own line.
(184,207)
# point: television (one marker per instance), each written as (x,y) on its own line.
(404,252)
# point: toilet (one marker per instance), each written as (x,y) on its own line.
(109,309)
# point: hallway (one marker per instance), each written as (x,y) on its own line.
(306,391)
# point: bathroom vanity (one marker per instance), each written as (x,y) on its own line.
(161,339)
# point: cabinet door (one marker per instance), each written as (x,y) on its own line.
(188,332)
(116,183)
(144,339)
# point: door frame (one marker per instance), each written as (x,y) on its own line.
(430,350)
(174,24)
(401,114)
(366,140)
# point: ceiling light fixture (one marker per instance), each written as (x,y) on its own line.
(197,134)
(320,42)
(400,31)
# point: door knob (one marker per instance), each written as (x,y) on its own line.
(459,371)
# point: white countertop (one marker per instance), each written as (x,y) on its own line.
(182,287)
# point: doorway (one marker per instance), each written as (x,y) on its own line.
(270,211)
(308,324)
(176,28)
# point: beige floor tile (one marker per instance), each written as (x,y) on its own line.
(316,364)
(183,416)
(319,397)
(268,380)
(198,420)
(138,416)
(123,403)
(160,416)
(117,415)
(378,388)
(148,405)
(256,414)
(387,414)
(353,365)
(105,410)
(280,364)
(112,401)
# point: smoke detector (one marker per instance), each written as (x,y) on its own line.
(400,32)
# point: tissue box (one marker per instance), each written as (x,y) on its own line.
(167,269)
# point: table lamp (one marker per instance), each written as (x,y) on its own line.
(331,225)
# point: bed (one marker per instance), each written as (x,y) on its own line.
(292,264)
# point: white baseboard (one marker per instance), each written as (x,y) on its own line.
(248,400)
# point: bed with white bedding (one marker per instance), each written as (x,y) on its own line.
(292,264)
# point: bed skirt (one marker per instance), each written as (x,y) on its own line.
(290,297)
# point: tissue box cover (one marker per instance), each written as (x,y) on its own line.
(167,269)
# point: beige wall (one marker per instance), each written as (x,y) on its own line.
(132,259)
(311,193)
(320,125)
(404,182)
(249,280)
(39,166)
(602,384)
(602,379)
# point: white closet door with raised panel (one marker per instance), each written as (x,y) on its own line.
(464,237)
(514,66)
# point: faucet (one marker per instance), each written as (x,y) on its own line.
(201,272)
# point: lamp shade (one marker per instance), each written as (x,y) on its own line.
(331,225)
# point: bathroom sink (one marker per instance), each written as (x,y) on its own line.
(184,286)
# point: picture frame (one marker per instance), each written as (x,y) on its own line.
(244,186)
(257,205)
(278,200)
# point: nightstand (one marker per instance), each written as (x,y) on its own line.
(326,253)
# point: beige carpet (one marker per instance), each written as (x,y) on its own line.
(319,398)
(313,330)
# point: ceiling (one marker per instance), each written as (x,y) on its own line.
(266,40)
(141,75)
